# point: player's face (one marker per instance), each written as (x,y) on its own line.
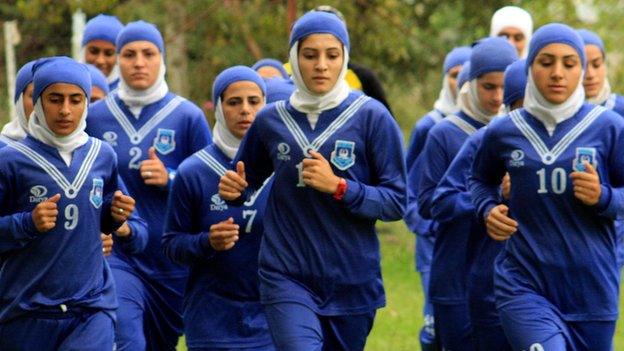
(96,94)
(452,78)
(596,71)
(139,63)
(320,61)
(27,100)
(490,91)
(556,72)
(101,54)
(240,102)
(515,38)
(63,105)
(269,72)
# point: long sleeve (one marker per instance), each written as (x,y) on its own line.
(451,199)
(107,223)
(487,172)
(182,240)
(611,203)
(434,162)
(138,226)
(386,199)
(17,229)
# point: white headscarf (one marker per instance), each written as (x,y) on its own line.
(137,99)
(303,100)
(603,94)
(221,135)
(512,16)
(38,128)
(447,102)
(468,102)
(548,113)
(17,128)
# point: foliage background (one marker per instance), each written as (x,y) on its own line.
(404,41)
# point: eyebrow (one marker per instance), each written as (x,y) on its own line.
(554,56)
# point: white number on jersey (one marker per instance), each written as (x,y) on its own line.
(252,215)
(135,161)
(558,181)
(71,217)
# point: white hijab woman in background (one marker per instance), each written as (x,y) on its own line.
(516,25)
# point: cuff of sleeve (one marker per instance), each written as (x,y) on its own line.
(353,190)
(29,224)
(487,210)
(208,251)
(605,198)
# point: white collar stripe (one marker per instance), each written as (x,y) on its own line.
(610,103)
(5,139)
(70,190)
(550,156)
(137,136)
(211,162)
(436,116)
(300,137)
(461,124)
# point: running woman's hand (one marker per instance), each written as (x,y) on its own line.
(587,185)
(499,225)
(318,174)
(121,207)
(107,244)
(232,184)
(223,235)
(45,213)
(153,170)
(506,186)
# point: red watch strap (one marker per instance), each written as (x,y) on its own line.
(341,190)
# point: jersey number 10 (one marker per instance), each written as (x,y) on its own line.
(558,181)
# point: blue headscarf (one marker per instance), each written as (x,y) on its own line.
(50,71)
(515,82)
(18,127)
(102,27)
(491,55)
(591,38)
(221,135)
(98,79)
(278,89)
(462,78)
(555,33)
(457,57)
(316,22)
(535,103)
(271,63)
(139,31)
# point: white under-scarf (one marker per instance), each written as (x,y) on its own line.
(468,102)
(447,102)
(17,128)
(137,99)
(38,128)
(114,73)
(603,94)
(548,113)
(303,100)
(221,135)
(512,16)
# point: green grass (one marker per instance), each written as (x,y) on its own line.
(397,325)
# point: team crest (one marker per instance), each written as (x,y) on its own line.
(95,195)
(164,142)
(343,155)
(584,154)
